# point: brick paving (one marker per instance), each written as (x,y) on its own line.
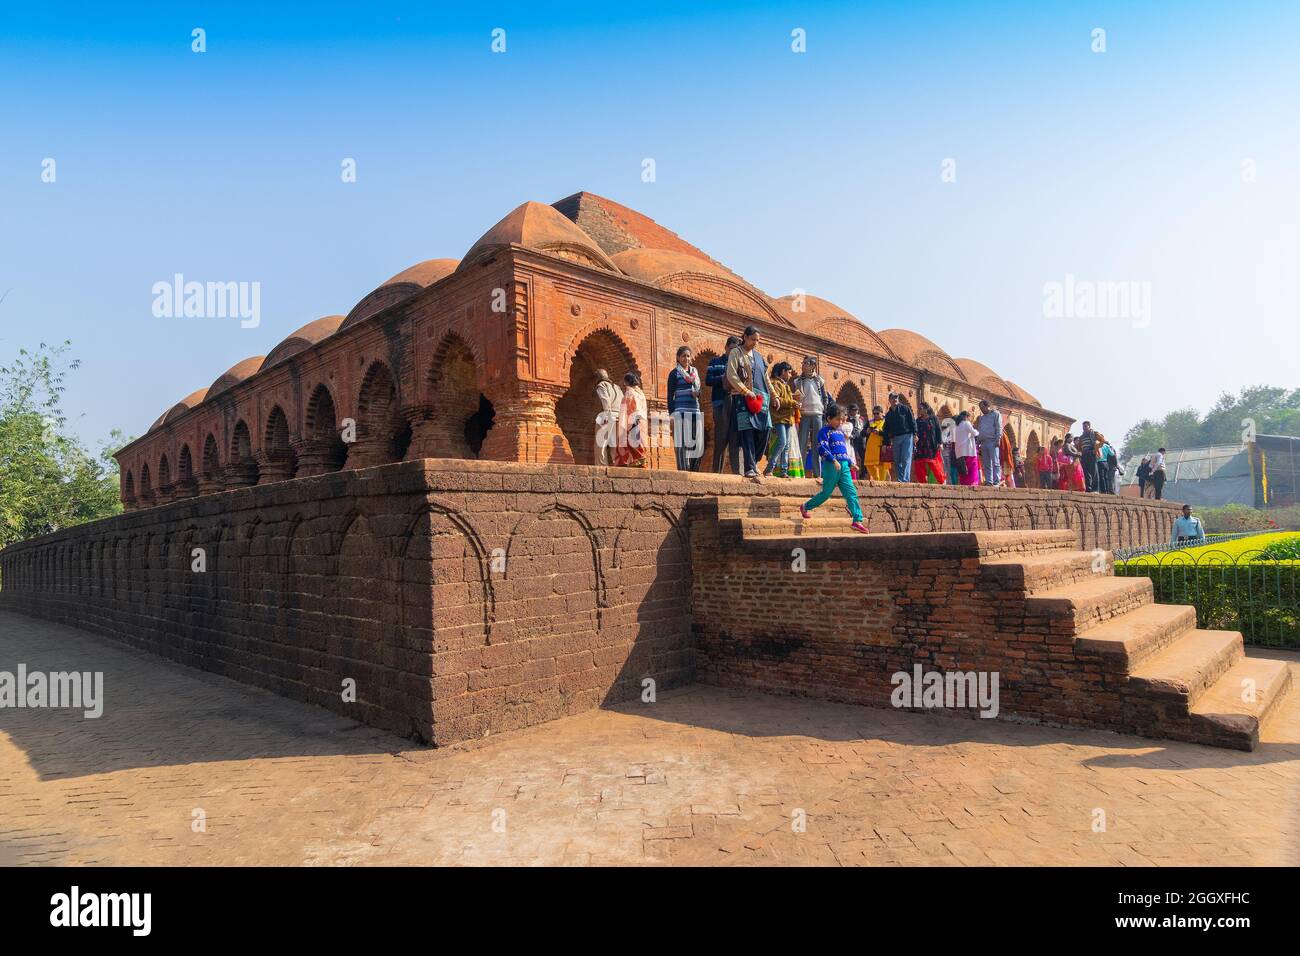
(702,776)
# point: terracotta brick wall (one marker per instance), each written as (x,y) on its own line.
(859,610)
(463,598)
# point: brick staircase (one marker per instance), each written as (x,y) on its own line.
(1115,658)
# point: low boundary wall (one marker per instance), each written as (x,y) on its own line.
(444,599)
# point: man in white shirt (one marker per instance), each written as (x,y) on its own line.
(1158,473)
(810,390)
(610,397)
(966,447)
(1188,529)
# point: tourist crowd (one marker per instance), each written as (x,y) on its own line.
(788,422)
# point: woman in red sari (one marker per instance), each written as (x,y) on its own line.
(633,425)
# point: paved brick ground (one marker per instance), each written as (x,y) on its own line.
(702,776)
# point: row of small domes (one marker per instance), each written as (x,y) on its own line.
(541,227)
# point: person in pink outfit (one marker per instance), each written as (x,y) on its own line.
(966,450)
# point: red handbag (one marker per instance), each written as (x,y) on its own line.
(886,452)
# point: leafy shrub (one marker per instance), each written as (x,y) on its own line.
(1287,549)
(1262,601)
(1288,517)
(1231,519)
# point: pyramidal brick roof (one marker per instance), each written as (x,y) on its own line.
(616,228)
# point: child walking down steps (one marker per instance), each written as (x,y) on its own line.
(834,453)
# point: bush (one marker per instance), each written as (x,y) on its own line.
(1287,549)
(1288,517)
(1232,519)
(1262,601)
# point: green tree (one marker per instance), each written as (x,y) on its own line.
(48,479)
(1144,437)
(1274,411)
(1270,410)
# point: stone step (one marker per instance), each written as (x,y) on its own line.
(1222,717)
(1184,669)
(1133,637)
(1044,570)
(1086,604)
(1022,543)
(824,521)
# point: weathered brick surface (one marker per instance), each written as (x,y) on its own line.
(836,616)
(468,597)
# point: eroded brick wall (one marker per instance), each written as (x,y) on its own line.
(463,598)
(841,617)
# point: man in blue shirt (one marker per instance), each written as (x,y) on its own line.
(989,431)
(1188,529)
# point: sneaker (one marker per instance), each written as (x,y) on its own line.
(859,526)
(805,513)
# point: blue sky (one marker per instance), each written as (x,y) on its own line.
(819,171)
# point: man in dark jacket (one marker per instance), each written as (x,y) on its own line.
(900,435)
(723,440)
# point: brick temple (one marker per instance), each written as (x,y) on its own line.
(493,356)
(467,568)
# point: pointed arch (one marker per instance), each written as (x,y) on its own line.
(577,408)
(321,431)
(185,466)
(850,394)
(276,444)
(460,415)
(211,458)
(382,430)
(242,467)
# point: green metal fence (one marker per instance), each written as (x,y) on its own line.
(1259,598)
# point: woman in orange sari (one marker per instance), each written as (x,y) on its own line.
(1007,454)
(633,425)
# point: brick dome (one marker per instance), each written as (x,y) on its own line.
(541,227)
(651,265)
(979,374)
(180,408)
(917,350)
(303,338)
(698,278)
(400,287)
(234,375)
(1020,393)
(822,317)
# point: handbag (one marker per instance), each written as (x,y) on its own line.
(886,453)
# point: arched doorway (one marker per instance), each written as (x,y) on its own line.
(850,395)
(211,461)
(323,449)
(578,407)
(1032,450)
(242,469)
(458,421)
(278,453)
(382,431)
